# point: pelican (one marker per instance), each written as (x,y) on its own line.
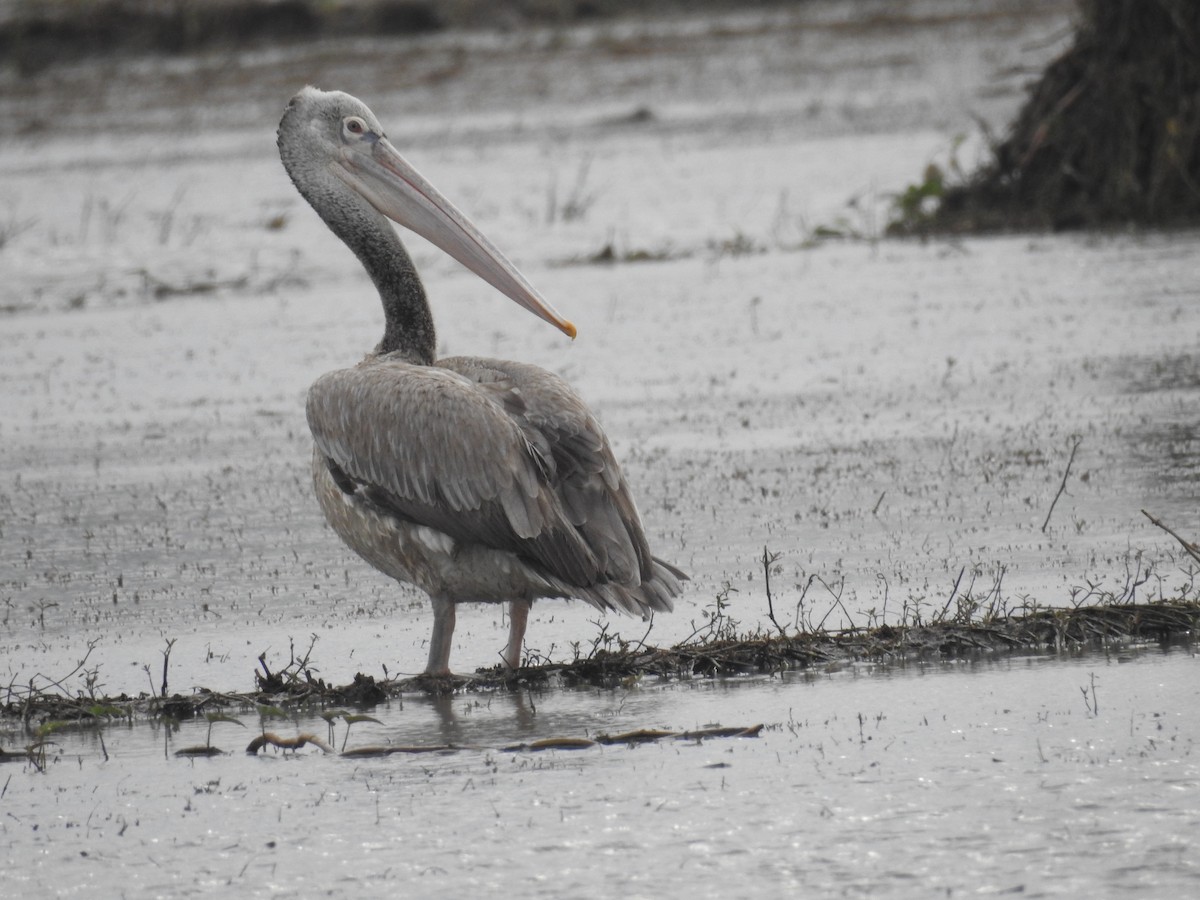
(477,480)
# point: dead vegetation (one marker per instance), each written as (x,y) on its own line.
(1057,630)
(967,626)
(717,649)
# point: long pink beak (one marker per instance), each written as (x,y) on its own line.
(400,192)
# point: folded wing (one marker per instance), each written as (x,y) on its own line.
(489,452)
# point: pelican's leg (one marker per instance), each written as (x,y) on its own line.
(518,617)
(443,634)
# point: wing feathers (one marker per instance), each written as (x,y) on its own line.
(498,453)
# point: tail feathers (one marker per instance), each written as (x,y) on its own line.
(654,595)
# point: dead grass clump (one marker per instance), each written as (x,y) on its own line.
(1109,135)
(1058,630)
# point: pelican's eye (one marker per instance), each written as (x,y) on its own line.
(353,126)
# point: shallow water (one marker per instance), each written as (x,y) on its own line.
(965,778)
(894,418)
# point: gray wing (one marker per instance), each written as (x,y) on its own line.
(578,463)
(490,452)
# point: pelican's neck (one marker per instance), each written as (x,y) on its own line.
(408,321)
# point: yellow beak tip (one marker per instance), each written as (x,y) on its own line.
(569,329)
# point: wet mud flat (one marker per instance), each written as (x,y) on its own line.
(890,421)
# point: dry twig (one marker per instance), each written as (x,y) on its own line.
(1062,487)
(1192,548)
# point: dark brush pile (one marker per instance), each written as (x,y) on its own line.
(1109,136)
(1059,630)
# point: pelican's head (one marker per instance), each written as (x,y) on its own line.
(326,133)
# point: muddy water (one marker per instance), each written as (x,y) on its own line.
(894,419)
(972,778)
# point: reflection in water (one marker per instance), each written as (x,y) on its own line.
(457,716)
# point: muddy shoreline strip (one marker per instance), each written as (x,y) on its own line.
(1104,627)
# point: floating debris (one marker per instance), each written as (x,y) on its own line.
(629,739)
(294,743)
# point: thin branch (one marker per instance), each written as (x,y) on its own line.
(1192,548)
(837,601)
(769,559)
(166,662)
(953,591)
(58,682)
(1062,487)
